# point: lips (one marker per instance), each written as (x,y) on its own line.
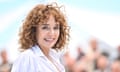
(49,39)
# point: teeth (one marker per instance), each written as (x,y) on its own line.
(49,39)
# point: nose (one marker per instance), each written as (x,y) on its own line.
(51,31)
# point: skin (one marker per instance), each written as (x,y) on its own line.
(47,35)
(102,62)
(4,56)
(115,67)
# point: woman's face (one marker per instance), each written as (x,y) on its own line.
(48,33)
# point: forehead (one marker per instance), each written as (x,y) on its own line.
(50,21)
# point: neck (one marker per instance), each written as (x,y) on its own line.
(94,49)
(102,68)
(45,51)
(4,62)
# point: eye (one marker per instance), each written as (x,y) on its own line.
(56,27)
(45,27)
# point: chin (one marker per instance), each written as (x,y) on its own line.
(49,46)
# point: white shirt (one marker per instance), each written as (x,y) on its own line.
(33,60)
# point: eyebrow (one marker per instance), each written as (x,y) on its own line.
(48,24)
(44,24)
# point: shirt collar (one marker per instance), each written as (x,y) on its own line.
(36,49)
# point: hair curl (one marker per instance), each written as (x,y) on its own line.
(39,15)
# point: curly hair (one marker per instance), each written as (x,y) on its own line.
(39,15)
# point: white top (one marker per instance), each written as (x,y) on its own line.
(33,60)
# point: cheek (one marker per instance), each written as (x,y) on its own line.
(39,35)
(58,34)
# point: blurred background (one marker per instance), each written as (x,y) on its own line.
(91,21)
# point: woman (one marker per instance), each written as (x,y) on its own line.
(43,34)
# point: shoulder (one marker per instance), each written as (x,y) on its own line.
(25,61)
(25,56)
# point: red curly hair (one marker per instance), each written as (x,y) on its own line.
(39,15)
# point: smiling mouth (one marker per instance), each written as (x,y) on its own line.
(49,39)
